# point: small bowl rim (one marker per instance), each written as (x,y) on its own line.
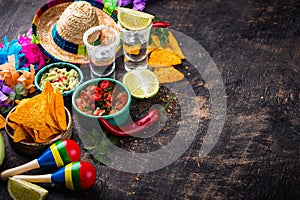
(96,80)
(58,137)
(49,66)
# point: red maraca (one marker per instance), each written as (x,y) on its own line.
(57,155)
(78,175)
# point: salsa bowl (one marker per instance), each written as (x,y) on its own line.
(104,97)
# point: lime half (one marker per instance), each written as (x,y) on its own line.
(133,19)
(23,190)
(142,83)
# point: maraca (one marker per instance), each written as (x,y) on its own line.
(78,175)
(57,155)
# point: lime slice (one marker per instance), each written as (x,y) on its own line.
(133,19)
(23,190)
(142,83)
(136,12)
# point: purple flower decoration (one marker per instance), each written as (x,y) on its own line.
(139,4)
(123,2)
(5,94)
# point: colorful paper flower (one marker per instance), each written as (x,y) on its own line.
(10,48)
(32,54)
(139,4)
(123,2)
(11,77)
(112,4)
(25,53)
(14,85)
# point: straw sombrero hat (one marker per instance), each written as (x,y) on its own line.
(58,27)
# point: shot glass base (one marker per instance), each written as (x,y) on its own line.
(129,65)
(102,72)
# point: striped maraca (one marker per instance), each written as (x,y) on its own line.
(57,155)
(78,175)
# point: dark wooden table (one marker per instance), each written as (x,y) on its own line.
(256,47)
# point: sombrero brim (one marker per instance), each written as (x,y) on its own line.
(45,19)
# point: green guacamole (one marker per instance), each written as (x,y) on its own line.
(61,79)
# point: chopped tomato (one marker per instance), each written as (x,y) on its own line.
(104,84)
(101,100)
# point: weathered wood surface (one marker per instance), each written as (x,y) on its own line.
(256,46)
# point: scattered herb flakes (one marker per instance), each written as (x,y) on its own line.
(99,148)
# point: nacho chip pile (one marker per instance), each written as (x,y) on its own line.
(162,59)
(40,118)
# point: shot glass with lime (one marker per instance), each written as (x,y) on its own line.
(135,29)
(101,43)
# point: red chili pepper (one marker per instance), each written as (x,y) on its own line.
(157,24)
(132,129)
(136,127)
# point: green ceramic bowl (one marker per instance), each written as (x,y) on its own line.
(87,120)
(67,94)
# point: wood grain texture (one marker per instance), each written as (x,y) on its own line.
(256,47)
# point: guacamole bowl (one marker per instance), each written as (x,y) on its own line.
(65,77)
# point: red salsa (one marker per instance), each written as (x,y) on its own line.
(102,99)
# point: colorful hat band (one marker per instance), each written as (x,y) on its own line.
(66,45)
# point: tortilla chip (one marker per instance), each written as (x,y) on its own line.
(60,111)
(45,133)
(163,58)
(154,44)
(37,138)
(168,74)
(48,89)
(54,130)
(156,41)
(20,102)
(20,134)
(31,111)
(51,119)
(174,46)
(135,50)
(151,48)
(12,125)
(30,133)
(2,122)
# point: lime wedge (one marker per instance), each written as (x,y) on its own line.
(23,190)
(133,19)
(142,83)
